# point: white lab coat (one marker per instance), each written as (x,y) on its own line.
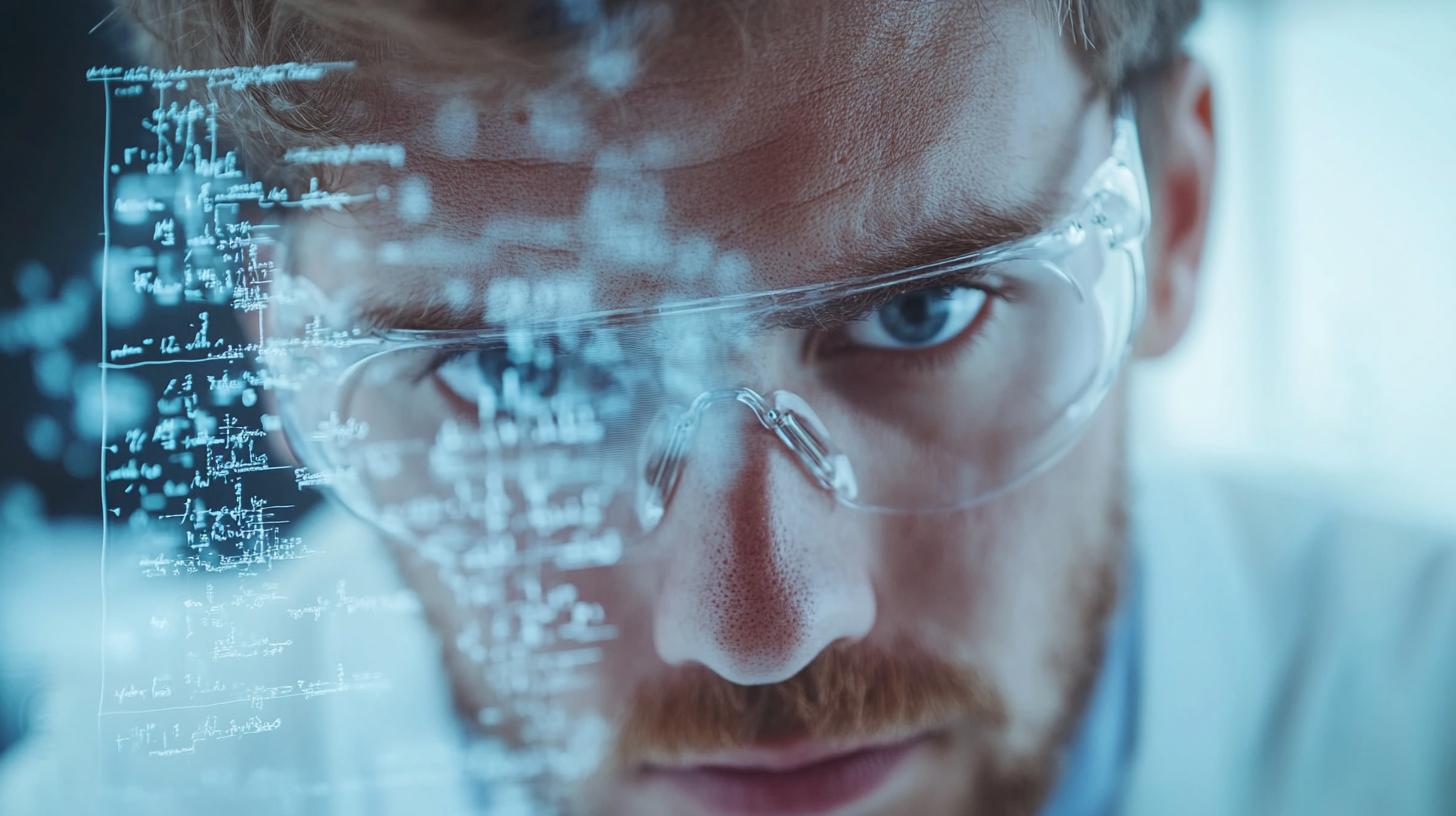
(1296,659)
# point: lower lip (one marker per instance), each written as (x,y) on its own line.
(817,788)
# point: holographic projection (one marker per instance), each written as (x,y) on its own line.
(277,659)
(499,393)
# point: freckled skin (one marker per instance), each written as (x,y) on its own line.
(753,606)
(831,132)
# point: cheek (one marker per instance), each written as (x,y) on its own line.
(957,570)
(1012,587)
(626,593)
(1003,587)
(483,618)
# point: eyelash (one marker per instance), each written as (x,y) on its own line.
(923,360)
(439,358)
(1005,293)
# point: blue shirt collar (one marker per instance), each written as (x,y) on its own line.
(1095,761)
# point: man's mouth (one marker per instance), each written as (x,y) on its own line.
(797,779)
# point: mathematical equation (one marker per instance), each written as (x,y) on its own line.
(234,615)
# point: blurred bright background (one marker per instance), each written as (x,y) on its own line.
(1324,350)
(1323,356)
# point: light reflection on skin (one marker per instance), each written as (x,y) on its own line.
(835,137)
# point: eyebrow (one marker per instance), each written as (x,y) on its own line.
(956,232)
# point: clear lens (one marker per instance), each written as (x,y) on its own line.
(927,389)
(978,384)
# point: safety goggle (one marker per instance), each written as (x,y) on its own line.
(928,388)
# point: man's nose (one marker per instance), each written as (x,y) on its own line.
(763,568)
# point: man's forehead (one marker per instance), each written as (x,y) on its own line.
(794,146)
(723,88)
(745,57)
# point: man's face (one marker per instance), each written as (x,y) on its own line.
(784,653)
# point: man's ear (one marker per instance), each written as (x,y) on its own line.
(1181,185)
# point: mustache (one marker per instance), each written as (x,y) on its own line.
(850,690)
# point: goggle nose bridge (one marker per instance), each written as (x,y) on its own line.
(788,416)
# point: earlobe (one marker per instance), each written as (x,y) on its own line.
(1181,185)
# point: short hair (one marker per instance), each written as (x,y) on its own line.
(1120,43)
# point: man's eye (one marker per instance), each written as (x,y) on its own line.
(463,378)
(919,320)
(488,374)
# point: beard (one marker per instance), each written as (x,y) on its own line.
(857,690)
(849,691)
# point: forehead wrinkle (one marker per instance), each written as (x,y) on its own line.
(758,147)
(764,145)
(834,169)
(857,180)
(876,122)
(788,43)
